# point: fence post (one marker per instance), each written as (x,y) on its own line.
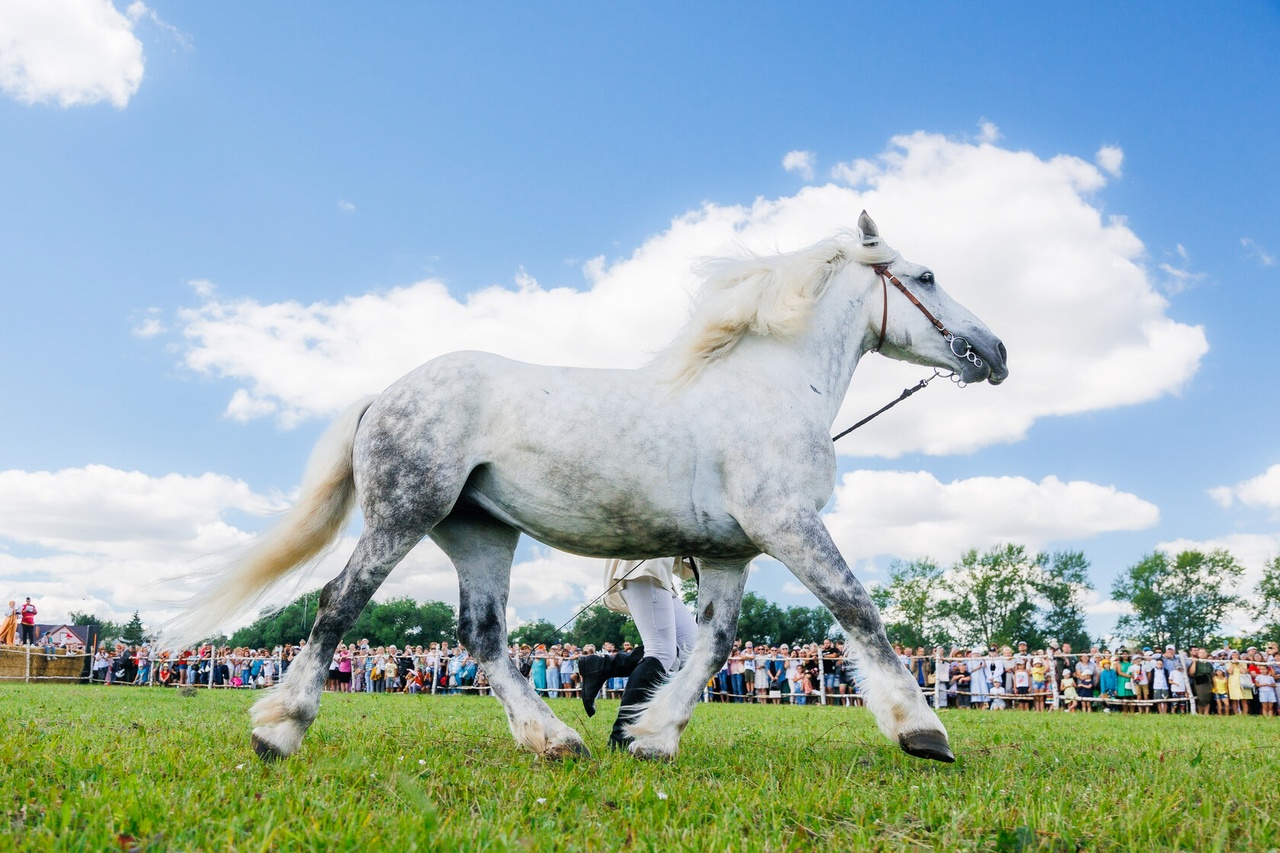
(937,680)
(26,679)
(822,678)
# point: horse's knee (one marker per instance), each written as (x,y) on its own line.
(722,637)
(481,627)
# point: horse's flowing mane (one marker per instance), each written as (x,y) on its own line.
(768,295)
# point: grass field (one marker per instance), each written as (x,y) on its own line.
(93,768)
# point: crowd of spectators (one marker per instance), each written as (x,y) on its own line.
(1220,681)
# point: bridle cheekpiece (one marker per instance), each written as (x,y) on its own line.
(887,278)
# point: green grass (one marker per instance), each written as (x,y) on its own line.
(92,768)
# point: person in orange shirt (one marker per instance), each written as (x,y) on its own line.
(9,628)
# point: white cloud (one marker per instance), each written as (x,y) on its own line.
(1263,256)
(911,514)
(799,162)
(97,539)
(988,132)
(796,588)
(346,206)
(1179,277)
(150,324)
(855,173)
(1110,159)
(1262,490)
(1011,235)
(124,514)
(74,52)
(139,11)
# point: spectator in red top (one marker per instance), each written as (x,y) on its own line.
(28,623)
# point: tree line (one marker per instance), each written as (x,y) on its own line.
(1007,594)
(1001,595)
(403,620)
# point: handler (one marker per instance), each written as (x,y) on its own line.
(647,590)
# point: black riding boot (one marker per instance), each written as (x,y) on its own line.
(640,685)
(597,669)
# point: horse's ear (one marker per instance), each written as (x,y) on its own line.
(870,234)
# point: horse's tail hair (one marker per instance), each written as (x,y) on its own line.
(305,531)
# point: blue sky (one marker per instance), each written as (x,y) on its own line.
(223,221)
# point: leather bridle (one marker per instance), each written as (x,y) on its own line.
(887,278)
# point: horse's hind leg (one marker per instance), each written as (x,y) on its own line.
(662,719)
(482,549)
(282,717)
(805,546)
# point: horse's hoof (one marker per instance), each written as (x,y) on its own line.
(561,751)
(649,753)
(927,744)
(266,751)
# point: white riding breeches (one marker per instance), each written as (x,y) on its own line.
(666,626)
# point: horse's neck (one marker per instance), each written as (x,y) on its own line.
(820,359)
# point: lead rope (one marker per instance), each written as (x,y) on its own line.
(692,564)
(906,392)
(885,278)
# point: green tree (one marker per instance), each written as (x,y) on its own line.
(1267,594)
(1063,584)
(277,627)
(991,598)
(538,631)
(402,621)
(805,625)
(133,632)
(598,625)
(439,622)
(912,604)
(1181,600)
(760,620)
(108,631)
(392,622)
(399,621)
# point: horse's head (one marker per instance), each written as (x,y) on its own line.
(918,322)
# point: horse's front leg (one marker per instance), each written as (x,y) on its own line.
(482,549)
(662,719)
(801,541)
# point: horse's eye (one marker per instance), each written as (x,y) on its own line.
(926,278)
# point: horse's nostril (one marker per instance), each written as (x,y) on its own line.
(1004,354)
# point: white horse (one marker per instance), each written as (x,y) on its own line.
(720,449)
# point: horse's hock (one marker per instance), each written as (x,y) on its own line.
(30,663)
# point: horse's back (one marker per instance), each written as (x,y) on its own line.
(587,460)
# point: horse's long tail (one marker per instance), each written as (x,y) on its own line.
(306,531)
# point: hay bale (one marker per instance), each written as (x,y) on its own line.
(59,667)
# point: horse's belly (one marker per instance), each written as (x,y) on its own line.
(608,522)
